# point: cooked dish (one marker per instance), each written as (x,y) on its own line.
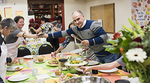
(53,62)
(75,62)
(17,68)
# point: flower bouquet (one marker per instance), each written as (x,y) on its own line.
(134,45)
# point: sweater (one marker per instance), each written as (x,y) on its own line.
(92,31)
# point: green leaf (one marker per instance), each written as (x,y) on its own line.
(113,42)
(126,42)
(133,74)
(112,49)
(147,62)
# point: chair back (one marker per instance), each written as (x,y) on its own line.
(22,51)
(122,81)
(45,49)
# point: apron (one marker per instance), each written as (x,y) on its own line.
(13,47)
(3,65)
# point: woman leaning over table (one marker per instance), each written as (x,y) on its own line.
(17,37)
(7,26)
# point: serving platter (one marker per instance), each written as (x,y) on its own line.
(80,64)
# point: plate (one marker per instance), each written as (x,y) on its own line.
(76,51)
(90,63)
(40,62)
(51,64)
(28,56)
(109,71)
(18,77)
(78,69)
(13,68)
(80,64)
(53,74)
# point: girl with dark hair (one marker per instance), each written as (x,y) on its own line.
(58,23)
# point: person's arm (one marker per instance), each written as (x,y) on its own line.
(105,66)
(22,34)
(63,45)
(54,22)
(36,30)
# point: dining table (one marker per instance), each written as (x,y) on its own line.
(43,68)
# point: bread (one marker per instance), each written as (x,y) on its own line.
(50,81)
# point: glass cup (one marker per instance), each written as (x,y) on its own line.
(34,71)
(20,61)
(30,64)
(40,59)
(58,71)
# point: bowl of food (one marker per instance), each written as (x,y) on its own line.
(87,79)
(40,58)
(52,62)
(72,64)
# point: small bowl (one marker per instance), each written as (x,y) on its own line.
(40,59)
(41,6)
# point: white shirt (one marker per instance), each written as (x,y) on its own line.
(83,23)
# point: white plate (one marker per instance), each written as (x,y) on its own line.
(53,74)
(12,68)
(109,71)
(18,77)
(28,56)
(76,51)
(40,62)
(78,69)
(80,64)
(93,63)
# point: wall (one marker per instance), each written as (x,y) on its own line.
(17,5)
(122,11)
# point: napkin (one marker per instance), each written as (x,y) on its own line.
(43,76)
(134,80)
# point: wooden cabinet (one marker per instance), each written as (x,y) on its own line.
(57,10)
(50,10)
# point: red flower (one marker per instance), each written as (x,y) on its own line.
(116,35)
(138,39)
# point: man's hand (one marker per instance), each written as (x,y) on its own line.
(41,35)
(85,42)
